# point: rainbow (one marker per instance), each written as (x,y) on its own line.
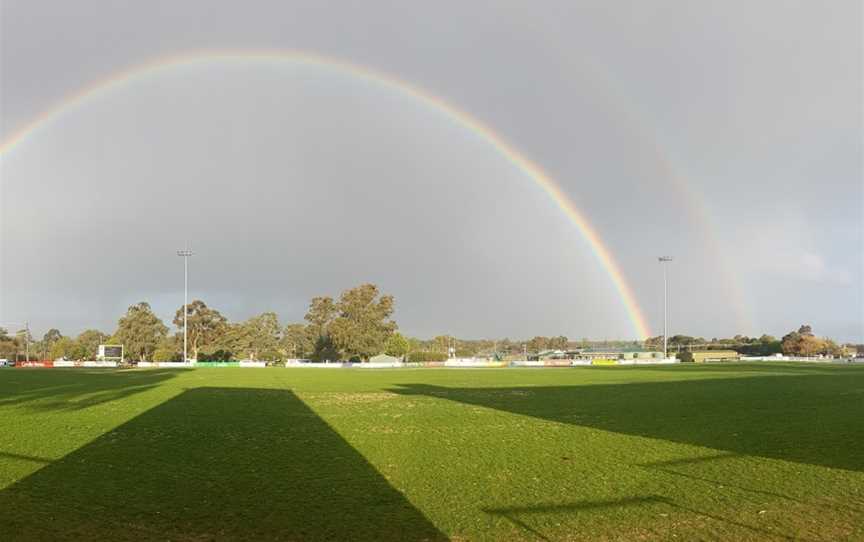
(623,106)
(453,113)
(672,170)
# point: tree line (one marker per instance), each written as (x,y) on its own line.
(802,342)
(357,325)
(53,345)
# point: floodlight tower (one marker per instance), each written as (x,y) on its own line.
(664,260)
(185,254)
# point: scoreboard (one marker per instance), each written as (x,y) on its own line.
(110,351)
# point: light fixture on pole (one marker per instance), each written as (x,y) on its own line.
(663,260)
(185,254)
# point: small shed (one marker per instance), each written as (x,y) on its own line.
(709,355)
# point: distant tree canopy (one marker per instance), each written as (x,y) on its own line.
(65,348)
(322,311)
(8,345)
(420,356)
(363,326)
(51,336)
(297,341)
(88,343)
(804,343)
(140,331)
(54,345)
(169,349)
(357,326)
(539,343)
(796,343)
(49,340)
(753,346)
(397,346)
(258,337)
(204,326)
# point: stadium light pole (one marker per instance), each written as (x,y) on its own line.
(185,254)
(663,260)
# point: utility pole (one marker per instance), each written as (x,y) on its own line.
(663,260)
(185,254)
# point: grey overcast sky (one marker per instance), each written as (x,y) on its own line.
(727,134)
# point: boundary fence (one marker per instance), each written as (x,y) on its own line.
(453,363)
(477,363)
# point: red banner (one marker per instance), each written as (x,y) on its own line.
(34,364)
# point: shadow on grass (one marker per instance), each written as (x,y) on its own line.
(214,463)
(48,390)
(677,468)
(813,419)
(30,458)
(521,515)
(515,514)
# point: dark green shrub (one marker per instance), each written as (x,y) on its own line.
(421,356)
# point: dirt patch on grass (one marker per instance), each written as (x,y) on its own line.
(349,399)
(484,393)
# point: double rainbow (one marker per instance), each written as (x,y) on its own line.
(451,112)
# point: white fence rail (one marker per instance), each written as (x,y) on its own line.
(91,364)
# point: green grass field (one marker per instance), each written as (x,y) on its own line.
(733,452)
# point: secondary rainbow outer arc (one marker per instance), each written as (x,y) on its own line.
(671,168)
(460,117)
(624,107)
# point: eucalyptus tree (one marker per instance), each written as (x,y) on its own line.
(204,325)
(140,331)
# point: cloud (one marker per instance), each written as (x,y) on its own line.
(301,186)
(814,268)
(787,247)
